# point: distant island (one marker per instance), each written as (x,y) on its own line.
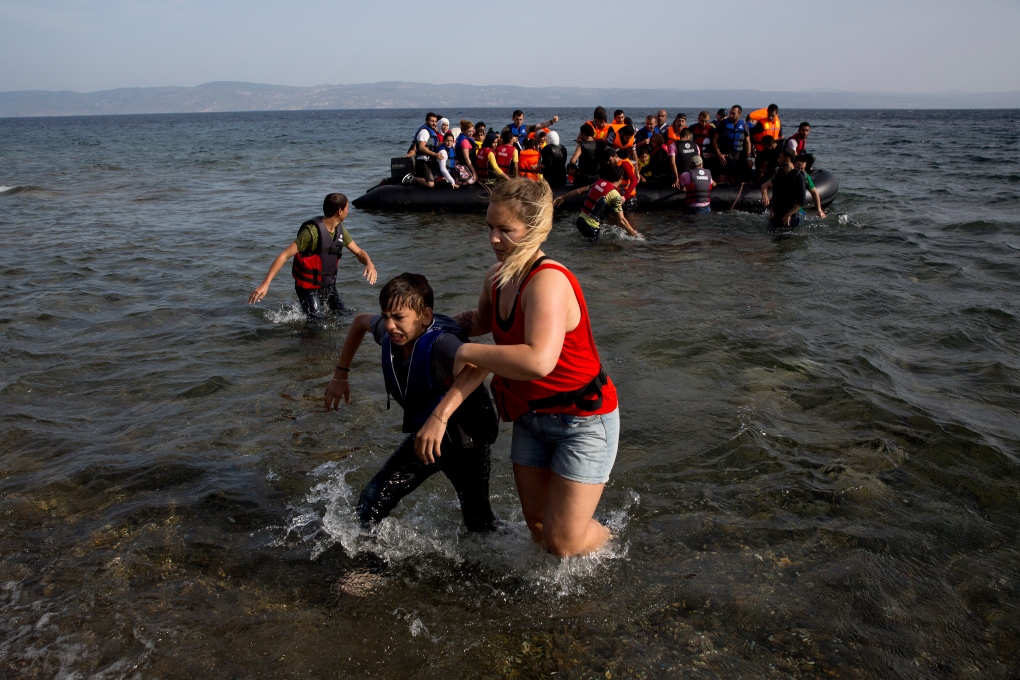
(234,96)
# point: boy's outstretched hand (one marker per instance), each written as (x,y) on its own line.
(428,439)
(335,391)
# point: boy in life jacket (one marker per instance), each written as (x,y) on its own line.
(602,202)
(316,252)
(449,419)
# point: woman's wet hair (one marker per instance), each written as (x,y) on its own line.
(407,290)
(333,204)
(531,203)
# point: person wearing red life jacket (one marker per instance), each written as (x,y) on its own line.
(797,143)
(698,184)
(603,202)
(548,377)
(507,156)
(316,252)
(628,187)
(702,131)
(486,168)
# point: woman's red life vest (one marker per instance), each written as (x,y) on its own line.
(576,386)
(482,163)
(527,162)
(318,270)
(505,157)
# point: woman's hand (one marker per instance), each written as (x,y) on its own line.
(337,389)
(429,438)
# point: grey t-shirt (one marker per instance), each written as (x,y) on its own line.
(444,352)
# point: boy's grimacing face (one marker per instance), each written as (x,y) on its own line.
(405,325)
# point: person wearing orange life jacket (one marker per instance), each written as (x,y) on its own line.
(672,133)
(602,202)
(765,122)
(628,187)
(486,167)
(619,116)
(507,157)
(316,252)
(598,123)
(530,161)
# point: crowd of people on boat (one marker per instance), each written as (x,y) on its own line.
(612,157)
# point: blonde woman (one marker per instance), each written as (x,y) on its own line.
(548,377)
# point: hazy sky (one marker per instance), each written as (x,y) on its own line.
(867,45)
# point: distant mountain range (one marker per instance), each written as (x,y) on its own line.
(232,96)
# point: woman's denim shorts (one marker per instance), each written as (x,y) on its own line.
(579,448)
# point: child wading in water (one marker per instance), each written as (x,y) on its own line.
(548,377)
(448,415)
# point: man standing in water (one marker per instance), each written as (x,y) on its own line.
(316,252)
(788,187)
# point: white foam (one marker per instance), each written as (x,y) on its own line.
(286,315)
(4,188)
(429,525)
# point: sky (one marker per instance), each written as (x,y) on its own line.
(904,46)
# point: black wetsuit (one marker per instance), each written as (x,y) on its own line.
(465,449)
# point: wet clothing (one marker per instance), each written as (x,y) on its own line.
(418,383)
(314,267)
(697,184)
(602,198)
(576,386)
(788,189)
(403,472)
(315,301)
(567,421)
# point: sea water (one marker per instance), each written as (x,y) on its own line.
(818,468)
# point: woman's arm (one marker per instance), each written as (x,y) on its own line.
(546,303)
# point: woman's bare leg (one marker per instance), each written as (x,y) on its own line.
(568,528)
(533,490)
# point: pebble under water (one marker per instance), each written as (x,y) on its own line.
(819,467)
